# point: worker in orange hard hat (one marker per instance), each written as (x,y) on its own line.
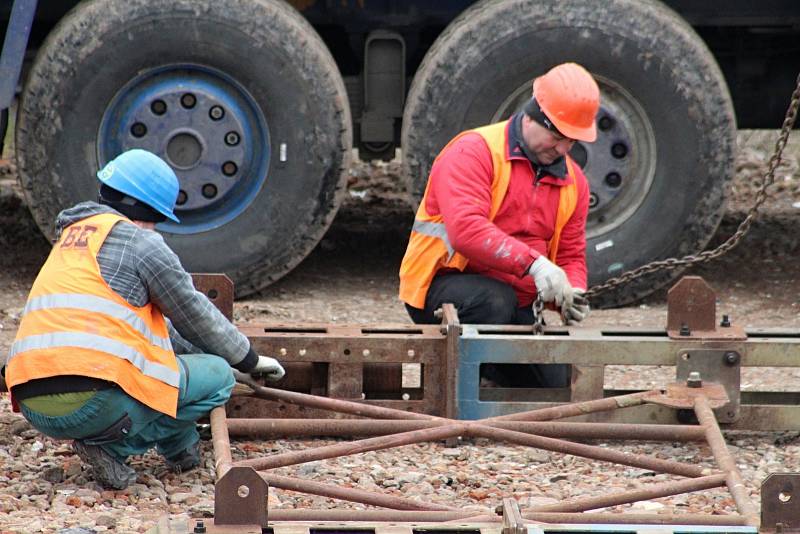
(504,213)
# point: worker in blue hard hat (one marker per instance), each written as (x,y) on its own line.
(116,349)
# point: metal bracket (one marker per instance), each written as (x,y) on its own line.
(240,498)
(718,366)
(513,522)
(219,290)
(780,503)
(692,313)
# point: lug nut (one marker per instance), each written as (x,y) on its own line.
(593,200)
(216,113)
(613,179)
(694,380)
(231,138)
(158,107)
(605,123)
(188,100)
(209,190)
(229,168)
(726,321)
(138,129)
(199,527)
(619,150)
(732,358)
(685,330)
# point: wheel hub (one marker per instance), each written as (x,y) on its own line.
(206,127)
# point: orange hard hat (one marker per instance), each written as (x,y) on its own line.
(570,98)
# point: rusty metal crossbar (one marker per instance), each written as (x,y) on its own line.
(701,400)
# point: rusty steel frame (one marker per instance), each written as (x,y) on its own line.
(353,371)
(367,363)
(427,428)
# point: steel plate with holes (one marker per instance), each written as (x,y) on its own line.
(717,366)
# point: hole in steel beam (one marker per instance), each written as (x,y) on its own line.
(294,330)
(784,496)
(242,491)
(633,333)
(393,381)
(401,331)
(517,332)
(524,375)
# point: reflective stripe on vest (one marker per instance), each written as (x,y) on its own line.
(437,230)
(429,248)
(99,305)
(83,340)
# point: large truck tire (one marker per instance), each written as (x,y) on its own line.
(660,168)
(242,98)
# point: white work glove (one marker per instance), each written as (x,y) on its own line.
(268,367)
(578,311)
(551,282)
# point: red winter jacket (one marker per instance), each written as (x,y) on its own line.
(504,249)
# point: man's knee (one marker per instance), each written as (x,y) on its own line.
(498,307)
(208,376)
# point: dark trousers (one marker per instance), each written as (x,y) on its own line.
(483,300)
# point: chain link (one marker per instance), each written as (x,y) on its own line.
(744,226)
(538,315)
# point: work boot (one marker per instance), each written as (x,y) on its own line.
(107,470)
(186,460)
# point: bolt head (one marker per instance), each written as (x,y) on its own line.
(694,380)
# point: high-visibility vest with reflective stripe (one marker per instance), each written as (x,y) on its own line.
(429,248)
(75,324)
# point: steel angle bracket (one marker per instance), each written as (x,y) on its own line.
(780,503)
(240,500)
(720,366)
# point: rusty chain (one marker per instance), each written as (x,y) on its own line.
(744,226)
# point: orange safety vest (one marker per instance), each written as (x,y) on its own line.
(75,324)
(429,248)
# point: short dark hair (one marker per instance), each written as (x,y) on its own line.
(536,114)
(130,207)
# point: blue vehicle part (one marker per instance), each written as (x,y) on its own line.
(206,126)
(16,40)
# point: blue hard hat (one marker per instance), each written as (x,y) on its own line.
(144,176)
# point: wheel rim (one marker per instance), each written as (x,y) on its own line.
(206,126)
(620,165)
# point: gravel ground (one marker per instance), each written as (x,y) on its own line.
(351,277)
